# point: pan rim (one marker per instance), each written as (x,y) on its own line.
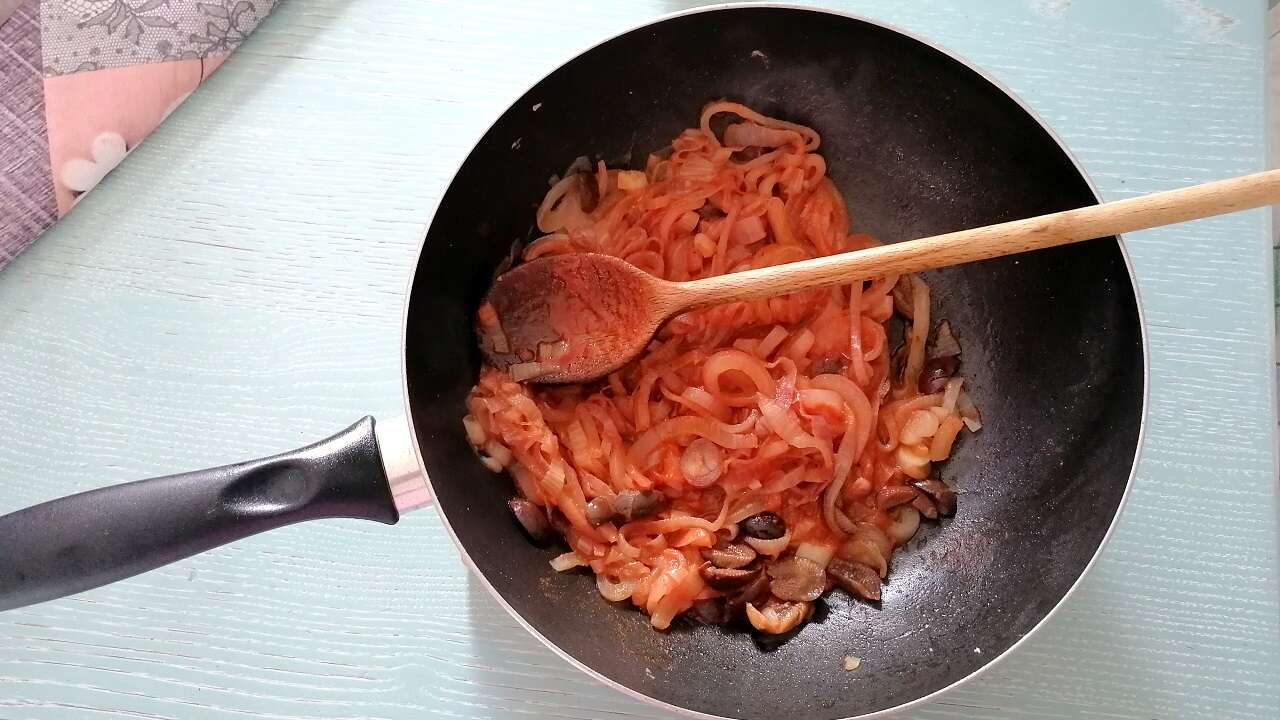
(1139,444)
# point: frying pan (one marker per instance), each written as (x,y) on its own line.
(920,143)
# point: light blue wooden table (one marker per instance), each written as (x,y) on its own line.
(234,289)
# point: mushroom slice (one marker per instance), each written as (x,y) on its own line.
(926,506)
(856,578)
(531,518)
(725,579)
(731,555)
(891,496)
(941,494)
(796,579)
(635,504)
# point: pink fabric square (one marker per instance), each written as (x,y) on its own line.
(92,115)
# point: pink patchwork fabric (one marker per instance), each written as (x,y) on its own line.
(83,82)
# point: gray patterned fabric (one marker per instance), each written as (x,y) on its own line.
(95,34)
(27,204)
(6,9)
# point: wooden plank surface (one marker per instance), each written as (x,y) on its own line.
(235,288)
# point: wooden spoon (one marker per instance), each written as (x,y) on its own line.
(577,317)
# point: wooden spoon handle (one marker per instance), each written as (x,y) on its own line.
(1165,208)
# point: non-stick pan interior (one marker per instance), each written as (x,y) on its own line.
(919,144)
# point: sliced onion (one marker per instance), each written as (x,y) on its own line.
(902,301)
(615,591)
(817,400)
(940,447)
(775,617)
(785,393)
(742,512)
(972,418)
(772,548)
(906,520)
(786,481)
(696,167)
(560,208)
(498,452)
(771,341)
(785,426)
(952,394)
(475,431)
(567,561)
(706,401)
(816,553)
(749,134)
(800,344)
(632,180)
(913,462)
(866,552)
(843,522)
(719,433)
(747,230)
(857,401)
(918,334)
(870,532)
(719,363)
(702,463)
(530,370)
(921,424)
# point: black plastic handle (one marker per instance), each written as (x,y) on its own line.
(80,542)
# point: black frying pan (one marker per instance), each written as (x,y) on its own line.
(920,143)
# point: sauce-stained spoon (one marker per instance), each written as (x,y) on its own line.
(578,317)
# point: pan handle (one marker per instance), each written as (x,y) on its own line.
(79,542)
